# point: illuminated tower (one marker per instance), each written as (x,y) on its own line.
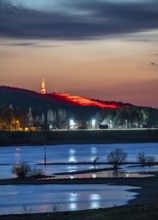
(43,90)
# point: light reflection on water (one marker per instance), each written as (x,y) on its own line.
(95,201)
(69,153)
(17,155)
(50,170)
(66,198)
(73,199)
(104,174)
(72,151)
(72,159)
(94,150)
(81,152)
(43,208)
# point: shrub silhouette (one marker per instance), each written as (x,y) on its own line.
(145,160)
(116,157)
(21,170)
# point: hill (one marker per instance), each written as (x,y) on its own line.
(33,108)
(24,98)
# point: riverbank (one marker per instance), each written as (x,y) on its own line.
(143,212)
(144,207)
(79,137)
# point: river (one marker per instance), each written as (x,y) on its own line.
(67,153)
(49,198)
(43,198)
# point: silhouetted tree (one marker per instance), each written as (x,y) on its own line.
(21,170)
(145,160)
(117,157)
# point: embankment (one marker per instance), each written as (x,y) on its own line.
(78,137)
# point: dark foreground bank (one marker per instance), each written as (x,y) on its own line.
(144,207)
(78,137)
(142,212)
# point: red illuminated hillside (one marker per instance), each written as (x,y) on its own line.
(23,99)
(85,102)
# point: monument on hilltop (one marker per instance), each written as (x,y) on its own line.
(43,90)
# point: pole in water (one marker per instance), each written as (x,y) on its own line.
(45,159)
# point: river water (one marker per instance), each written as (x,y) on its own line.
(48,198)
(43,198)
(68,153)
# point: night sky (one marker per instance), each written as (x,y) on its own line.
(95,48)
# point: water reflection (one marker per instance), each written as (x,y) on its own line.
(17,155)
(69,197)
(94,175)
(72,168)
(93,150)
(105,174)
(71,177)
(70,153)
(95,201)
(72,206)
(72,159)
(61,153)
(73,199)
(44,208)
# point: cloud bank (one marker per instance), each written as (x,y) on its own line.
(76,20)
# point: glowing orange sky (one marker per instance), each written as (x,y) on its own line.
(111,70)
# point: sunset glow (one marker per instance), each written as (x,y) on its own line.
(101,49)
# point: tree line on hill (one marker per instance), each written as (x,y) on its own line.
(24,108)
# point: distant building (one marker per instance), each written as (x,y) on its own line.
(43,90)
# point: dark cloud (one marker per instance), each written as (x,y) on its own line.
(24,44)
(30,44)
(99,19)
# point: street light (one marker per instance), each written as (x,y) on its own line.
(126,123)
(110,125)
(71,124)
(17,125)
(93,123)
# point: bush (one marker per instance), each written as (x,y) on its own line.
(21,170)
(37,173)
(117,157)
(150,160)
(145,160)
(141,158)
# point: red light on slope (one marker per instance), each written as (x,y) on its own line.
(81,101)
